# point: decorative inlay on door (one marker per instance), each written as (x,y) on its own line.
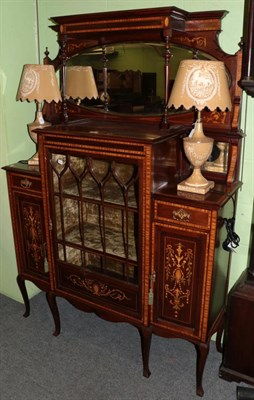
(33,233)
(178,275)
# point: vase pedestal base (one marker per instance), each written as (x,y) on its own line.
(195,189)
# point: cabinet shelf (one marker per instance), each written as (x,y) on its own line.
(111,244)
(130,205)
(96,261)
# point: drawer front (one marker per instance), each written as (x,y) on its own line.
(182,215)
(26,182)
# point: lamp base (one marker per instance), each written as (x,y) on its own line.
(38,123)
(34,160)
(183,186)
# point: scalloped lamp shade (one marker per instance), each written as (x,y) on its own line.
(80,83)
(38,83)
(199,84)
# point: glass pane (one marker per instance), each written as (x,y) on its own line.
(90,188)
(70,255)
(95,214)
(112,192)
(71,222)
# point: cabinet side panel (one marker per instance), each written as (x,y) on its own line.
(221,265)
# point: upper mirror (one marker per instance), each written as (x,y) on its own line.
(134,73)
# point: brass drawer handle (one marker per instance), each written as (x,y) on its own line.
(181,215)
(25,183)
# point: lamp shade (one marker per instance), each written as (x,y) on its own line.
(80,83)
(38,82)
(200,84)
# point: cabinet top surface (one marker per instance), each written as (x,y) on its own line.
(216,197)
(23,168)
(110,131)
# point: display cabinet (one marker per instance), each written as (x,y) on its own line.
(121,241)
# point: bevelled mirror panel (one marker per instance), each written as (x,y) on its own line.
(134,73)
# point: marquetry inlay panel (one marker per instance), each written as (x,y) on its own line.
(178,275)
(32,228)
(97,288)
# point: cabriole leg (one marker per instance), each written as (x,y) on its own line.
(202,350)
(146,337)
(51,298)
(22,288)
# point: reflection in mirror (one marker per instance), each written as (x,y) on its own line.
(135,78)
(80,83)
(218,161)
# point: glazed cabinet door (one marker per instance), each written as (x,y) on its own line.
(96,224)
(29,230)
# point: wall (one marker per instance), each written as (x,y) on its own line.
(23,41)
(18,46)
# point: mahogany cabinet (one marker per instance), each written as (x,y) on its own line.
(102,211)
(238,349)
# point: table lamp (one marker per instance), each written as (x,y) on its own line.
(80,83)
(200,84)
(38,83)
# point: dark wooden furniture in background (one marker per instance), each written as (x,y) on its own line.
(238,348)
(120,240)
(247,78)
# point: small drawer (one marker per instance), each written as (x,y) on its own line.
(182,215)
(26,182)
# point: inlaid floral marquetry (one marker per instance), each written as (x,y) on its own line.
(97,288)
(33,234)
(178,275)
(199,41)
(215,117)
